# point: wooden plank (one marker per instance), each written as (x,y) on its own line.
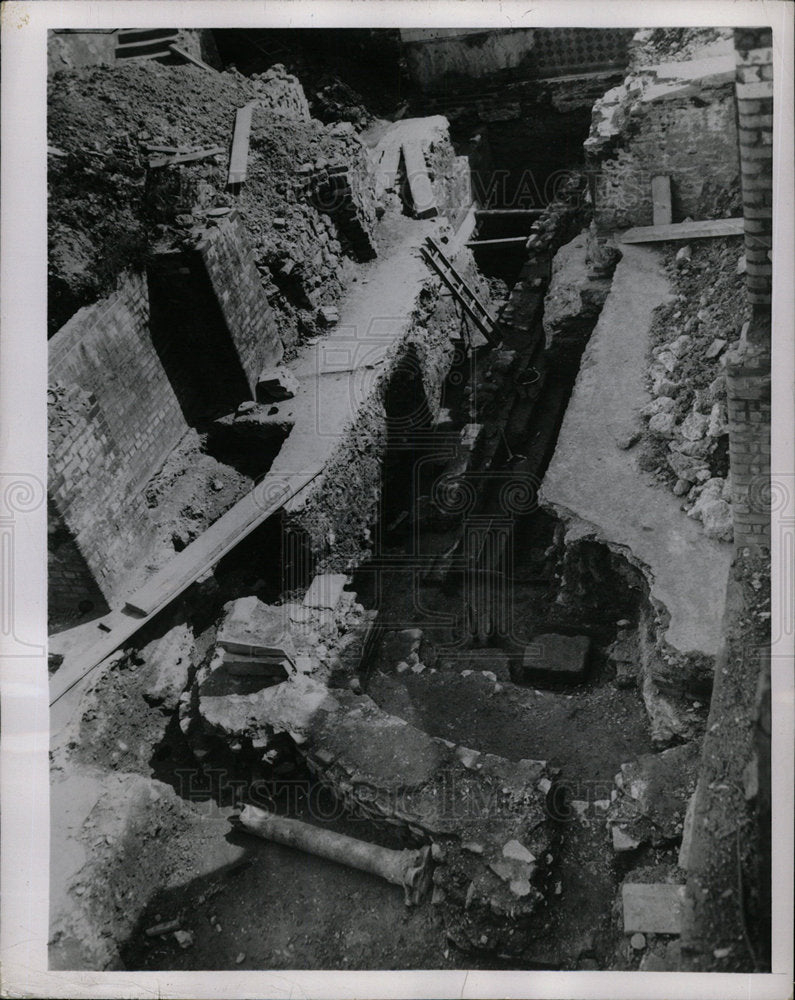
(238,161)
(162,42)
(419,182)
(196,154)
(661,200)
(191,59)
(169,582)
(684,231)
(506,239)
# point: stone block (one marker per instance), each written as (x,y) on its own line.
(557,657)
(256,629)
(325,591)
(241,665)
(653,908)
(328,316)
(276,384)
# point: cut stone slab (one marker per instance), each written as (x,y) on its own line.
(276,384)
(557,657)
(240,665)
(653,908)
(256,630)
(325,591)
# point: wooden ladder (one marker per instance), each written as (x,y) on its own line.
(435,259)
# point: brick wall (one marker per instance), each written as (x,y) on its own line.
(748,400)
(72,590)
(755,114)
(250,320)
(344,190)
(113,420)
(748,365)
(693,142)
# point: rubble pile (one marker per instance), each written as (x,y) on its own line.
(686,420)
(308,203)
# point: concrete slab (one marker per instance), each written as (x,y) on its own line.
(654,908)
(599,489)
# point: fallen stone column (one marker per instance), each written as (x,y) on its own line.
(409,869)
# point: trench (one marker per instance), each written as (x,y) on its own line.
(474,562)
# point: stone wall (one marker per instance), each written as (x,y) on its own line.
(674,119)
(113,420)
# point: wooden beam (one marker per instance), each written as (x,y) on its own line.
(238,161)
(506,239)
(196,154)
(684,231)
(661,200)
(191,59)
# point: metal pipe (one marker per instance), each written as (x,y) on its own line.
(409,869)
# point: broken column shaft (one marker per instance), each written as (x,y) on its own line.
(409,869)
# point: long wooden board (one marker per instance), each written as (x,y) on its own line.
(684,231)
(189,58)
(238,161)
(505,239)
(176,576)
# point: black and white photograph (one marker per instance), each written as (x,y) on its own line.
(407,390)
